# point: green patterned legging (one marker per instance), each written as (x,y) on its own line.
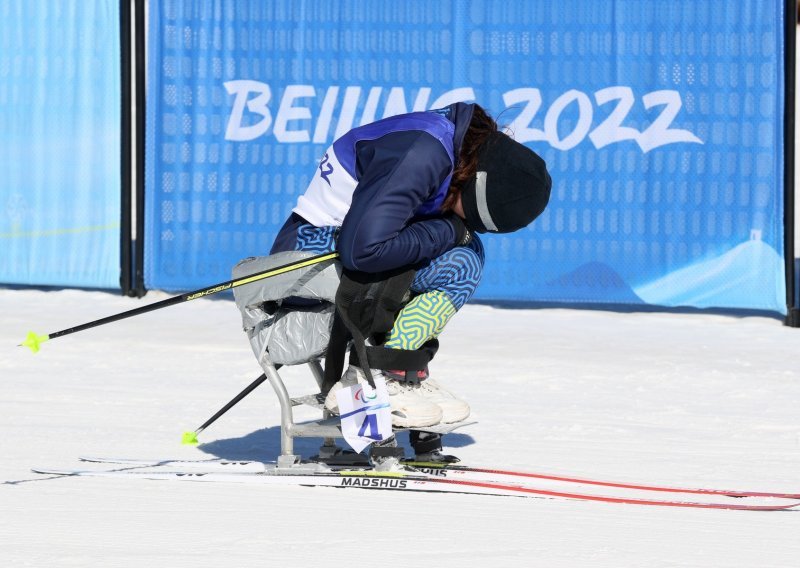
(443,287)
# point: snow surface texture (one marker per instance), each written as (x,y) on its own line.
(681,399)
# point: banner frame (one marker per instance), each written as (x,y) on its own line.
(790,37)
(132,50)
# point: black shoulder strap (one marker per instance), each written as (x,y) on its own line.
(334,356)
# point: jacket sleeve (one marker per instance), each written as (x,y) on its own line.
(397,173)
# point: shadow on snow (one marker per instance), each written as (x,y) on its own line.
(265,445)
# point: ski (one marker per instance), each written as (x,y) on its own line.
(454,471)
(419,481)
(458,470)
(204,466)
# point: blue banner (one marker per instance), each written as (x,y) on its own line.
(60,143)
(660,123)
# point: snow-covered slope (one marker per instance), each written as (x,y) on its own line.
(668,398)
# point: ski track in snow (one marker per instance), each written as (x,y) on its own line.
(677,399)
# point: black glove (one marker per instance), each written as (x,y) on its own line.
(463,234)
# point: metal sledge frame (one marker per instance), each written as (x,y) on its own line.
(327,428)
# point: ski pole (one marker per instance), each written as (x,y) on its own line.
(34,340)
(191,437)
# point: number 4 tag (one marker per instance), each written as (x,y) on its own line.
(365,414)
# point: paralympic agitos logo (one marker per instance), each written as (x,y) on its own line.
(364,397)
(300,119)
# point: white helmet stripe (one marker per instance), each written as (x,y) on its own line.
(483,205)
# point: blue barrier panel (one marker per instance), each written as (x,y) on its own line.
(60,143)
(660,122)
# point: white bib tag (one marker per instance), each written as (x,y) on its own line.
(365,413)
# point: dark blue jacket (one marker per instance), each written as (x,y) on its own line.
(402,167)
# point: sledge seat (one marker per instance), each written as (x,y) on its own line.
(288,320)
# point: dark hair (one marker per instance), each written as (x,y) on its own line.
(480,127)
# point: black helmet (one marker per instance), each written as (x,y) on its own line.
(510,189)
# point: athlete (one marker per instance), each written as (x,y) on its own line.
(406,195)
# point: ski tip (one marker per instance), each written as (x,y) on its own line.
(190,439)
(33,341)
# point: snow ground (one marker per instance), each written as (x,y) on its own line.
(682,399)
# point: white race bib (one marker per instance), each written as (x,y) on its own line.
(365,413)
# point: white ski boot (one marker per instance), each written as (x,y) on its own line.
(352,376)
(409,409)
(453,408)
